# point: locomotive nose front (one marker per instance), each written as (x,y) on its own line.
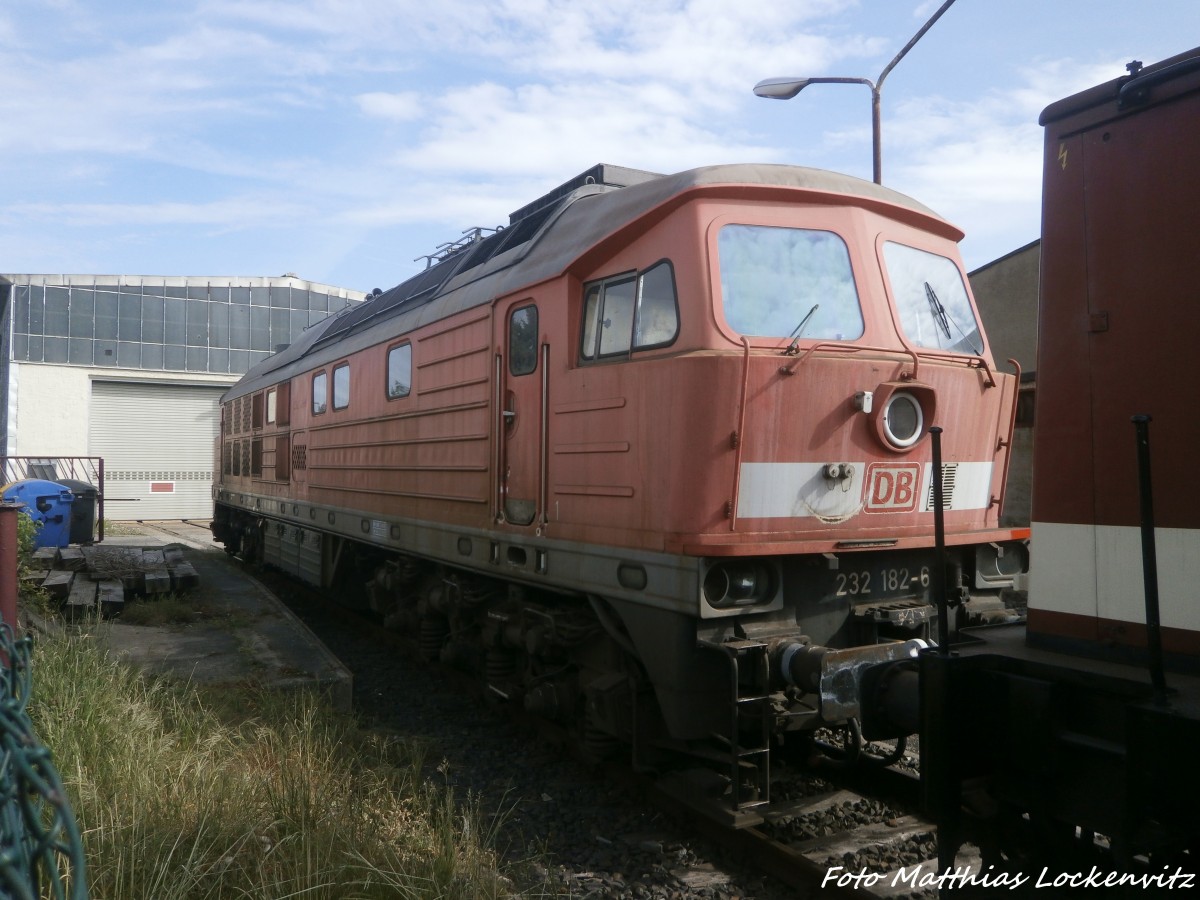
(858,336)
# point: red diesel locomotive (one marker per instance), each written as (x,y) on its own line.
(653,459)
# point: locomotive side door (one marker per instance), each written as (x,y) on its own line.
(521,378)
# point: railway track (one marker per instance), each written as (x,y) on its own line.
(827,838)
(822,837)
(190,531)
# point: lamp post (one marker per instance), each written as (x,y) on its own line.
(787,88)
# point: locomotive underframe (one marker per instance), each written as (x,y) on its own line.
(611,641)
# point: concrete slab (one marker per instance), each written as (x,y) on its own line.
(255,638)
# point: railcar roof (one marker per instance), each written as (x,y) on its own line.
(1129,92)
(542,240)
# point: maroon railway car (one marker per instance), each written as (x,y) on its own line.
(1073,740)
(1118,327)
(653,459)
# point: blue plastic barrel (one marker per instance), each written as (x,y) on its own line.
(47,503)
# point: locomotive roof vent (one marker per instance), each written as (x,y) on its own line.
(477,248)
(603,174)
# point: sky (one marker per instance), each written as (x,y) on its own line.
(343,140)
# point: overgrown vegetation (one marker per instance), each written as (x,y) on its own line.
(174,609)
(29,585)
(184,792)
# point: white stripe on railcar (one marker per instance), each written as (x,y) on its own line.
(1096,570)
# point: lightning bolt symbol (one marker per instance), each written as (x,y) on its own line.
(1062,155)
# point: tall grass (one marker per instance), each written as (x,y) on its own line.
(185,792)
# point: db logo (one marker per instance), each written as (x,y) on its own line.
(892,487)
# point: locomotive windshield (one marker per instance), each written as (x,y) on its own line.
(788,282)
(932,301)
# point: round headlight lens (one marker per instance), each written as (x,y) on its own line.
(738,584)
(903,420)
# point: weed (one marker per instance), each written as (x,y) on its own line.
(184,792)
(29,579)
(163,609)
(122,529)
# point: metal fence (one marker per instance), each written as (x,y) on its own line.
(41,851)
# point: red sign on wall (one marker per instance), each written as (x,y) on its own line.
(162,487)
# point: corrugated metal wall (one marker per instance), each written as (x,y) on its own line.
(157,445)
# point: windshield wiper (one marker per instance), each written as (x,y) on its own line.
(799,329)
(939,311)
(944,321)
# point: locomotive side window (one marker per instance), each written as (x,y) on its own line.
(788,282)
(657,321)
(399,371)
(320,388)
(931,299)
(341,386)
(271,406)
(283,409)
(630,312)
(522,340)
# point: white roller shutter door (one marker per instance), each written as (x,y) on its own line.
(157,444)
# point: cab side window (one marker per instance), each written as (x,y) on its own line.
(399,371)
(629,312)
(522,340)
(320,393)
(341,386)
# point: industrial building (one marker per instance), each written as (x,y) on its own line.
(1006,292)
(130,368)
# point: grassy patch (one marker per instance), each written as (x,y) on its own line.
(180,609)
(162,609)
(122,529)
(183,792)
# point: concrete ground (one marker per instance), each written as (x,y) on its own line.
(243,632)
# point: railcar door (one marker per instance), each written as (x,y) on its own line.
(522,379)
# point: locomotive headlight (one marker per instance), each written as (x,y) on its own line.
(738,584)
(999,565)
(903,420)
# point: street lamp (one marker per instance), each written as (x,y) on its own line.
(787,88)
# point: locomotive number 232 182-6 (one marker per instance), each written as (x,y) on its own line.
(899,580)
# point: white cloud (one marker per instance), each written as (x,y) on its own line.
(231,213)
(979,162)
(395,107)
(490,128)
(322,122)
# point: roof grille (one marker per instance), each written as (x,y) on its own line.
(476,250)
(602,174)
